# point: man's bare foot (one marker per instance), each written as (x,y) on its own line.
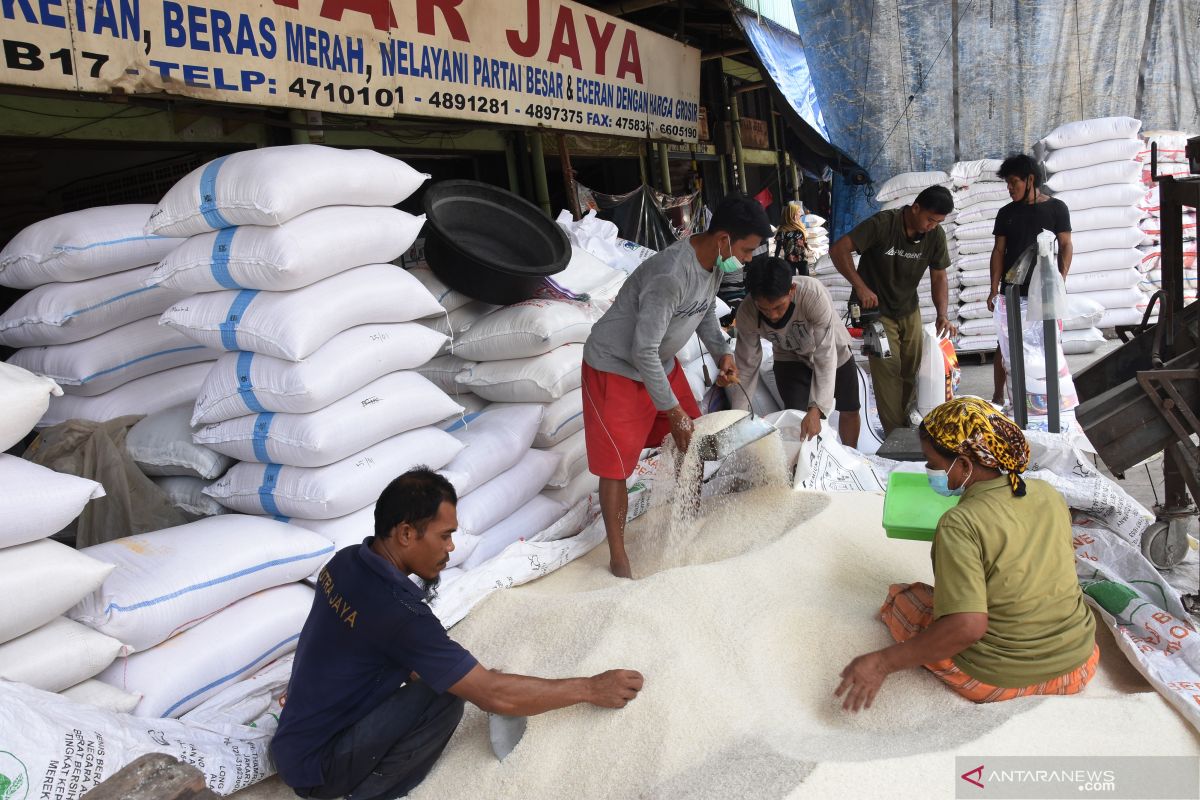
(620,567)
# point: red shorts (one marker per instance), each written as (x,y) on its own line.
(620,420)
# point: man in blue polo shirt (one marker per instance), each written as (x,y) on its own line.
(378,687)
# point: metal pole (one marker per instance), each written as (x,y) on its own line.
(1050,345)
(510,161)
(642,171)
(1016,356)
(539,174)
(526,168)
(564,158)
(664,167)
(735,125)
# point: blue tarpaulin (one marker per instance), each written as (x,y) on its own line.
(909,85)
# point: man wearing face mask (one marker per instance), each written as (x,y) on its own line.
(634,390)
(1016,230)
(895,248)
(1005,617)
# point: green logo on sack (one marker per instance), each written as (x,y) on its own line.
(14,778)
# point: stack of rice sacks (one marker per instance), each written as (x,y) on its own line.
(1172,160)
(43,578)
(89,323)
(978,196)
(1093,168)
(818,236)
(287,263)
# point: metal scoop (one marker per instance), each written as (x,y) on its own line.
(747,430)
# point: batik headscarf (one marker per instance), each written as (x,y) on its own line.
(972,428)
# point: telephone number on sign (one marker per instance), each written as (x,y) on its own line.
(455,101)
(347,95)
(682,131)
(555,114)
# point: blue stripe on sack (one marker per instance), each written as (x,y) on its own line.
(220,259)
(236,309)
(109,301)
(266,496)
(565,421)
(262,427)
(61,248)
(215,581)
(131,362)
(245,387)
(230,676)
(463,420)
(208,195)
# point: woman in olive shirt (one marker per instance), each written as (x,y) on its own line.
(1007,617)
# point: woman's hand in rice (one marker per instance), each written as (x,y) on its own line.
(861,680)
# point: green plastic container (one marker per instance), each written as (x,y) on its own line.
(911,509)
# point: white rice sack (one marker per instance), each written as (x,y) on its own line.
(503,495)
(42,580)
(57,655)
(974,309)
(61,313)
(472,406)
(981,229)
(1115,317)
(448,299)
(977,327)
(530,519)
(899,202)
(1082,312)
(187,494)
(1106,239)
(80,245)
(146,395)
(272,185)
(584,274)
(493,442)
(334,490)
(813,220)
(293,325)
(24,398)
(1074,134)
(983,211)
(1086,340)
(342,531)
(1101,260)
(37,502)
(909,183)
(464,546)
(243,383)
(229,646)
(1069,158)
(315,245)
(455,323)
(526,329)
(975,246)
(1095,175)
(385,407)
(1083,282)
(980,193)
(101,695)
(541,379)
(442,371)
(561,419)
(1115,194)
(1130,298)
(1101,217)
(105,362)
(161,445)
(573,454)
(976,344)
(965,173)
(583,485)
(166,581)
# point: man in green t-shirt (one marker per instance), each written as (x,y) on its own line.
(895,249)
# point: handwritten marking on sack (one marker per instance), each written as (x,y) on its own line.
(336,602)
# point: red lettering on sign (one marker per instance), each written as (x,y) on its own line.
(450,13)
(288,3)
(631,59)
(600,41)
(563,39)
(529,47)
(380,11)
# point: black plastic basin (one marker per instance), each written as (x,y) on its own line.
(490,244)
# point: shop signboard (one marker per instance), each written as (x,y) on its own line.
(551,63)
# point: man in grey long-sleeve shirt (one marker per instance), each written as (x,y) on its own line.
(634,391)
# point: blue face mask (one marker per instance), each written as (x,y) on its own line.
(939,481)
(728,264)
